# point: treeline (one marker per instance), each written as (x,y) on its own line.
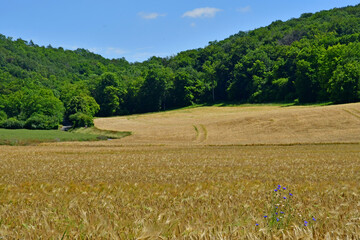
(313,58)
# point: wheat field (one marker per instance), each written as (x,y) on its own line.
(202,173)
(242,125)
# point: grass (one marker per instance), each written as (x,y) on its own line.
(102,134)
(30,137)
(242,104)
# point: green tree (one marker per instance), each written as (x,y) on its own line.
(84,104)
(344,84)
(3,116)
(40,121)
(107,94)
(184,89)
(305,84)
(210,73)
(80,119)
(42,102)
(153,92)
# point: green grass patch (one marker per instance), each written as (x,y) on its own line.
(102,134)
(33,137)
(236,104)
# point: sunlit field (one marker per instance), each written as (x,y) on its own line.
(198,178)
(242,125)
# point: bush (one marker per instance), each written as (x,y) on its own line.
(3,116)
(84,104)
(12,123)
(81,120)
(39,121)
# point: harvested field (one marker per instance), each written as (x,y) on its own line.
(188,184)
(243,125)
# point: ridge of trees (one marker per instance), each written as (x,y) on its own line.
(313,58)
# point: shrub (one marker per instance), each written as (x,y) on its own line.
(12,123)
(84,104)
(81,120)
(39,121)
(3,116)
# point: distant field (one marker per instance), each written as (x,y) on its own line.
(202,173)
(242,125)
(26,137)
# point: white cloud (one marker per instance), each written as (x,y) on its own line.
(150,16)
(113,50)
(244,9)
(94,50)
(108,51)
(206,12)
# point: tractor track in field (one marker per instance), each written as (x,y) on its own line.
(201,133)
(353,112)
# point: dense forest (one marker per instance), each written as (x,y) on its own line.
(314,58)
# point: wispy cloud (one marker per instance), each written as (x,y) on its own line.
(150,16)
(94,49)
(114,50)
(244,9)
(206,12)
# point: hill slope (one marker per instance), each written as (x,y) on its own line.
(314,58)
(242,125)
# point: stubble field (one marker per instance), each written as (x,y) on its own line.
(203,173)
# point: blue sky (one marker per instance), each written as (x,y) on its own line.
(139,29)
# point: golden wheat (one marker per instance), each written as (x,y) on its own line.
(172,192)
(242,125)
(185,186)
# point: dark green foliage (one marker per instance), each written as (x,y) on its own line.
(154,91)
(12,123)
(3,116)
(107,94)
(80,119)
(344,84)
(39,121)
(42,102)
(185,88)
(40,109)
(84,104)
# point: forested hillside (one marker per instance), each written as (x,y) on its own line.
(313,58)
